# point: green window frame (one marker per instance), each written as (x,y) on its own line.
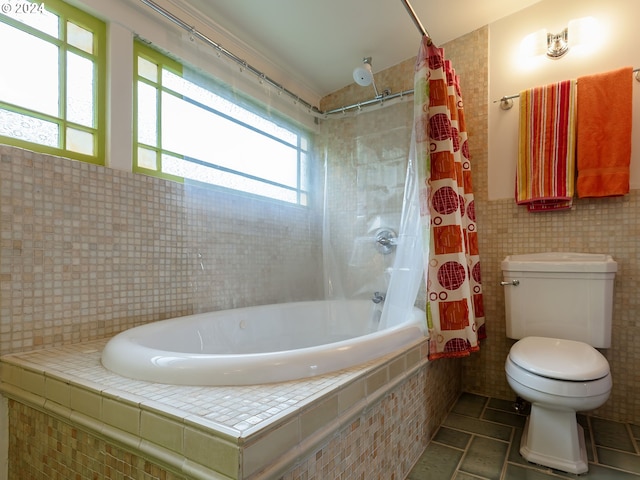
(188,128)
(64,58)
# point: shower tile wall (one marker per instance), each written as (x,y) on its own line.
(367,157)
(88,251)
(347,139)
(250,252)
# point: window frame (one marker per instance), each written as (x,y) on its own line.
(80,18)
(143,50)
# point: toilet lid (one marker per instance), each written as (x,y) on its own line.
(559,359)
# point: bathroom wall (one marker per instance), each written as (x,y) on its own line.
(87,251)
(488,71)
(614,46)
(608,225)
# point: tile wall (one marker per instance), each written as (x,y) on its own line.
(88,251)
(346,137)
(607,225)
(47,447)
(366,156)
(392,438)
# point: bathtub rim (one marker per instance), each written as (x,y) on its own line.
(188,369)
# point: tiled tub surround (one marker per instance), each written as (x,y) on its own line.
(371,419)
(88,251)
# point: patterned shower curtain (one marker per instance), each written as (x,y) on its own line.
(455,313)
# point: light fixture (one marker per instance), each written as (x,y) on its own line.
(580,34)
(558,44)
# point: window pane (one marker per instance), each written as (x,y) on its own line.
(200,134)
(79,141)
(201,173)
(33,15)
(79,37)
(34,85)
(23,127)
(148,70)
(305,171)
(194,127)
(79,90)
(147,159)
(216,102)
(147,114)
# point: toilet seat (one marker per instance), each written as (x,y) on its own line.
(558,388)
(559,359)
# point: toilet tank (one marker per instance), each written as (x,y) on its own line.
(560,295)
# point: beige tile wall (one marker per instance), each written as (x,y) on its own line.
(46,447)
(366,158)
(607,225)
(393,442)
(595,226)
(88,251)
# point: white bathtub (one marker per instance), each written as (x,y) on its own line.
(272,343)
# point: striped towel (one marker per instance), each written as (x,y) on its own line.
(546,148)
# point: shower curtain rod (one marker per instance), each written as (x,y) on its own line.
(192,30)
(359,105)
(313,109)
(366,103)
(416,20)
(506,102)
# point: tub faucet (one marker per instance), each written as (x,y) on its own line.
(378,297)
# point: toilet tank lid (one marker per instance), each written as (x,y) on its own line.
(560,359)
(560,262)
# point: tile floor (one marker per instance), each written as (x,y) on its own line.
(480,439)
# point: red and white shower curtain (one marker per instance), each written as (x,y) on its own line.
(455,313)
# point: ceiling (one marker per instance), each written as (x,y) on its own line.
(318,43)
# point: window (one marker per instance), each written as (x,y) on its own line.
(190,127)
(53,79)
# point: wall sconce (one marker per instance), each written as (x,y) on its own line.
(558,44)
(581,32)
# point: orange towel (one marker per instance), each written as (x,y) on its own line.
(604,133)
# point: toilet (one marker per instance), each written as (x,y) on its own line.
(559,307)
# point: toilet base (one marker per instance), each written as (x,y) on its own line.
(554,439)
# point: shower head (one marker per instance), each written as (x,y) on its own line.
(363,76)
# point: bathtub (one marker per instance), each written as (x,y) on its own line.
(256,345)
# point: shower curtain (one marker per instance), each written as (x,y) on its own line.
(455,313)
